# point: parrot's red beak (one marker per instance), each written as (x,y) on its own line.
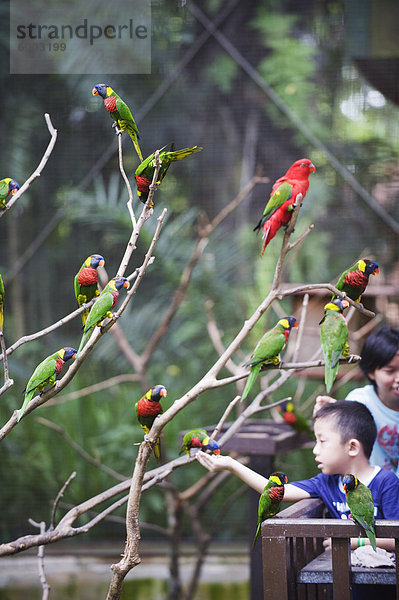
(376,272)
(14,191)
(312,168)
(74,355)
(296,324)
(126,284)
(101,263)
(94,92)
(163,392)
(217,451)
(345,303)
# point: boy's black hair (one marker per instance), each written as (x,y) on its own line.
(352,420)
(378,350)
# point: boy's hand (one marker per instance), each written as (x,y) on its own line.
(214,462)
(321,401)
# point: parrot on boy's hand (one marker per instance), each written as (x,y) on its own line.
(361,504)
(354,280)
(101,309)
(268,349)
(2,294)
(333,338)
(295,419)
(45,374)
(7,186)
(199,438)
(145,171)
(281,203)
(148,408)
(85,282)
(120,112)
(270,500)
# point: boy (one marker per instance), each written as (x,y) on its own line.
(380,364)
(345,434)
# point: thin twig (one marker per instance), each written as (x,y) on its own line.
(58,498)
(40,555)
(129,203)
(38,170)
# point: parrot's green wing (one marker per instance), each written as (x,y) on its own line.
(281,195)
(333,339)
(269,346)
(2,294)
(98,312)
(361,504)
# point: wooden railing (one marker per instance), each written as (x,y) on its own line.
(294,538)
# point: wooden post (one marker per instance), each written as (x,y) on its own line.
(341,565)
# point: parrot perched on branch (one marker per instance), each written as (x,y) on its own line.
(333,338)
(120,112)
(148,408)
(199,438)
(361,504)
(282,200)
(101,309)
(145,171)
(85,282)
(295,419)
(7,186)
(354,280)
(270,500)
(2,294)
(268,349)
(45,374)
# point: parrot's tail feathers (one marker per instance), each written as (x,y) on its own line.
(179,154)
(373,541)
(256,535)
(254,372)
(329,376)
(266,240)
(136,145)
(27,399)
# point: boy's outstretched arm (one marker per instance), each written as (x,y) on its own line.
(256,481)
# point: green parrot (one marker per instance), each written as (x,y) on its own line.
(354,280)
(148,408)
(2,294)
(291,416)
(101,309)
(85,282)
(361,504)
(199,438)
(120,112)
(270,499)
(268,349)
(7,186)
(145,171)
(333,338)
(45,374)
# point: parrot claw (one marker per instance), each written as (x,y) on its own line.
(117,130)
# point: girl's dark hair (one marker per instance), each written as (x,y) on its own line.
(378,350)
(352,420)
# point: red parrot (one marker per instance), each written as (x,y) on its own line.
(278,210)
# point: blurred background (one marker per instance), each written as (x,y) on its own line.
(277,81)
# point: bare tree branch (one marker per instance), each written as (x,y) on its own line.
(40,555)
(39,168)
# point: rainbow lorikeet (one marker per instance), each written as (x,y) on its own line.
(45,374)
(7,186)
(295,419)
(270,499)
(101,309)
(281,203)
(268,349)
(120,112)
(333,338)
(148,408)
(85,282)
(2,294)
(361,504)
(354,280)
(145,171)
(199,438)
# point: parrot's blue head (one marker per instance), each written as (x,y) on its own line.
(13,186)
(96,260)
(158,392)
(100,90)
(371,267)
(68,353)
(349,482)
(121,282)
(211,445)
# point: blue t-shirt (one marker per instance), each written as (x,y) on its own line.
(386,447)
(384,486)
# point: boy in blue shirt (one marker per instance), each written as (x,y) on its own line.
(345,433)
